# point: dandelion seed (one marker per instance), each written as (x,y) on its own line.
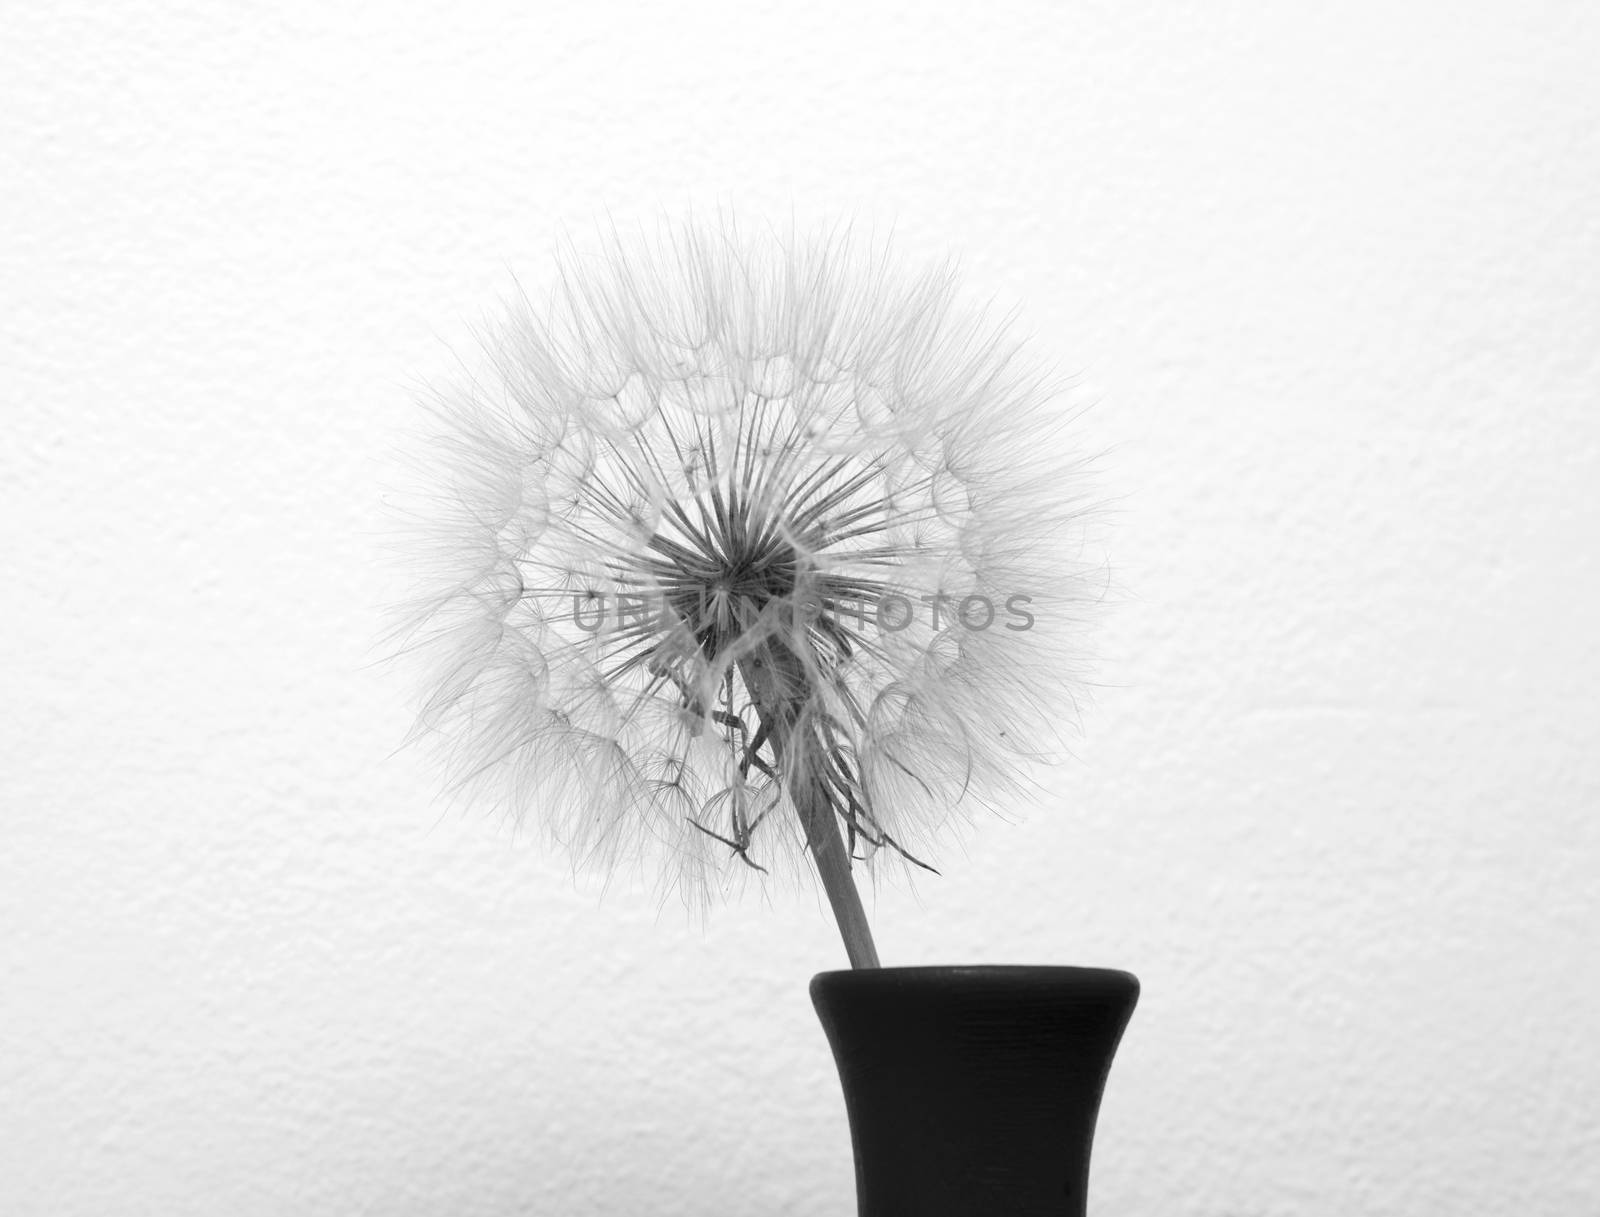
(729,549)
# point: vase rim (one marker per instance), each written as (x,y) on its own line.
(1040,973)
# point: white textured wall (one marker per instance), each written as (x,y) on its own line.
(1330,271)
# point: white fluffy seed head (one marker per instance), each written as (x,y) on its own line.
(724,517)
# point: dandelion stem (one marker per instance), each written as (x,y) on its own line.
(833,865)
(782,721)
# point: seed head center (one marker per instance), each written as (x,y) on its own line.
(729,578)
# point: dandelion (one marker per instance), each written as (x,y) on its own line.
(747,552)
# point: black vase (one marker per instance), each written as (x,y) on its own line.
(973,1091)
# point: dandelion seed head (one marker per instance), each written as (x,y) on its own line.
(719,516)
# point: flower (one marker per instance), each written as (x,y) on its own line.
(738,545)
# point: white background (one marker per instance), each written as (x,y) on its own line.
(1329,272)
